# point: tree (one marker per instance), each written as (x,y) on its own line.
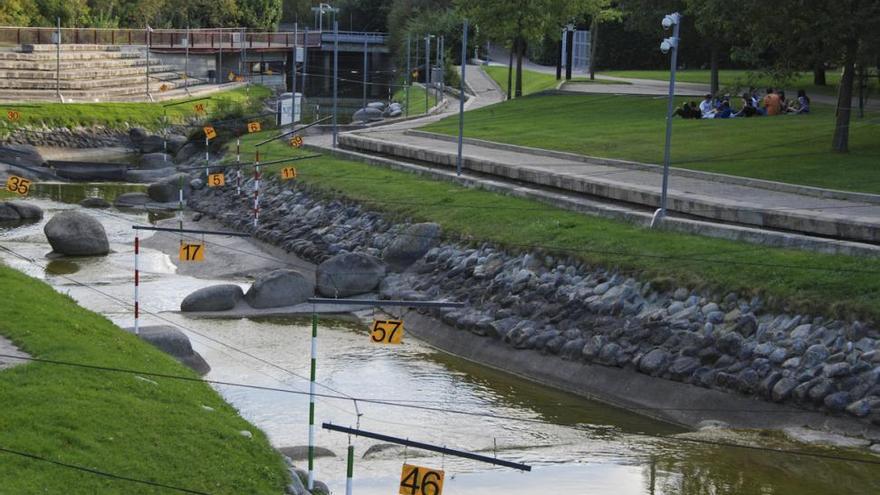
(17,12)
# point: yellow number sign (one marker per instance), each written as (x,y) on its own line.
(217,180)
(163,88)
(417,480)
(13,115)
(192,252)
(210,133)
(254,127)
(387,331)
(199,107)
(18,185)
(296,142)
(288,173)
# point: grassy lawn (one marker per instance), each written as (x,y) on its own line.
(113,422)
(416,100)
(742,79)
(797,280)
(121,115)
(533,82)
(794,149)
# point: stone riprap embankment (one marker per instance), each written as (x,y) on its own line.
(64,137)
(569,310)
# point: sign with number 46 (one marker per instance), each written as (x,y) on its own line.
(387,331)
(417,480)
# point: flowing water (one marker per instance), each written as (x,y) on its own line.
(575,446)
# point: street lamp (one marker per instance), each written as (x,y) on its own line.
(320,10)
(668,45)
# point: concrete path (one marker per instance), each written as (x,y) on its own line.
(733,200)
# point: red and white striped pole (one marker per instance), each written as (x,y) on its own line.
(238,162)
(257,189)
(207,156)
(137,283)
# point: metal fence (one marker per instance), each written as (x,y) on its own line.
(172,39)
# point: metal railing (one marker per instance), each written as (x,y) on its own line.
(172,39)
(372,38)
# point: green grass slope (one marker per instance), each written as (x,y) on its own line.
(794,149)
(792,280)
(113,422)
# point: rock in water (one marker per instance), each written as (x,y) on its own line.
(279,288)
(410,245)
(175,343)
(155,161)
(167,189)
(8,213)
(301,452)
(213,298)
(76,234)
(152,144)
(175,142)
(131,199)
(348,274)
(26,210)
(94,202)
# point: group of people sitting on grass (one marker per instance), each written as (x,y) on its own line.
(773,103)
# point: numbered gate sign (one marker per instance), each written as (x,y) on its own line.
(210,133)
(288,173)
(254,127)
(18,185)
(296,142)
(13,115)
(417,480)
(387,331)
(198,107)
(192,252)
(217,180)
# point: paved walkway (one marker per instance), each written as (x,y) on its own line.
(729,199)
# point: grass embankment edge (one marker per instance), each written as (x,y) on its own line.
(168,431)
(787,279)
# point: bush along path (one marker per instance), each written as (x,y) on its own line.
(571,310)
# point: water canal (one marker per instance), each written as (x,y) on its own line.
(575,446)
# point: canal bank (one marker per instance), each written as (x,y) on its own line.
(575,445)
(691,343)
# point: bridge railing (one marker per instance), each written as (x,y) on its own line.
(158,38)
(372,38)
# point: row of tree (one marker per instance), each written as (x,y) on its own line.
(258,14)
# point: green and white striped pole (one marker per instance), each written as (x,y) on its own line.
(349,482)
(311,484)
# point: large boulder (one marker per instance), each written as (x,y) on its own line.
(8,213)
(279,288)
(76,234)
(152,144)
(94,202)
(175,142)
(187,151)
(137,136)
(24,155)
(172,341)
(410,245)
(26,210)
(131,200)
(154,161)
(213,298)
(167,189)
(348,274)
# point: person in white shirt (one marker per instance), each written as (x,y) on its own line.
(707,109)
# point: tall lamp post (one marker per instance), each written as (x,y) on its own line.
(669,44)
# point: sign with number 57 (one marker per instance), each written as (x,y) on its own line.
(387,331)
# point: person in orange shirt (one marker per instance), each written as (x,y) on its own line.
(772,103)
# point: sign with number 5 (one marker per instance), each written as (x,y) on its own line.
(417,480)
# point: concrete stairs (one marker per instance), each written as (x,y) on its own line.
(87,73)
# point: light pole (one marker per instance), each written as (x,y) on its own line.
(669,44)
(319,11)
(427,70)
